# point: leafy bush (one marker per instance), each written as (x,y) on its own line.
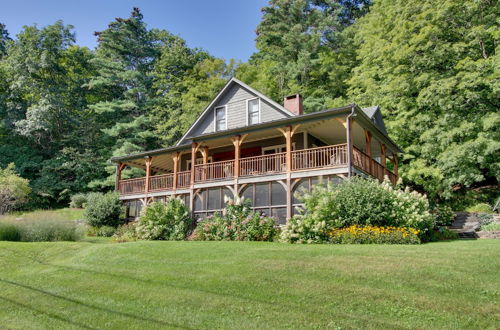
(40,231)
(9,232)
(164,221)
(358,201)
(104,231)
(439,234)
(493,226)
(480,208)
(443,215)
(374,235)
(237,223)
(103,210)
(14,190)
(78,201)
(125,233)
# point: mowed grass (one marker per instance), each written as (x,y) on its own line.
(66,214)
(149,285)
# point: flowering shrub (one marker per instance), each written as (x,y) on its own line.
(444,215)
(126,233)
(164,221)
(358,201)
(374,235)
(236,223)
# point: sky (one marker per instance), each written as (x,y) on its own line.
(225,28)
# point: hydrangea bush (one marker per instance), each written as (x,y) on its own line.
(358,201)
(236,223)
(164,221)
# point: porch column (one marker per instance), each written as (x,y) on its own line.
(148,173)
(368,148)
(288,137)
(348,126)
(395,161)
(237,153)
(383,159)
(194,148)
(118,178)
(176,159)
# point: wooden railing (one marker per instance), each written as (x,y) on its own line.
(132,186)
(214,171)
(266,164)
(183,179)
(329,156)
(313,158)
(371,166)
(161,182)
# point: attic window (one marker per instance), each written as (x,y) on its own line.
(253,111)
(220,118)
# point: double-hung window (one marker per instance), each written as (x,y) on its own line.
(220,118)
(253,111)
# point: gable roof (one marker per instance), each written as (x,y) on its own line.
(220,95)
(375,115)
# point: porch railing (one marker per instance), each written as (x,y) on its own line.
(132,186)
(183,179)
(214,171)
(313,158)
(371,166)
(328,156)
(161,182)
(266,164)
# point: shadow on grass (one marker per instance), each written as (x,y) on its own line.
(78,302)
(51,315)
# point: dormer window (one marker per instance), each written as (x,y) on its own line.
(253,111)
(220,118)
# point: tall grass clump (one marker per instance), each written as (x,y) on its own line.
(40,231)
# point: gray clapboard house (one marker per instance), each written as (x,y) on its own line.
(245,144)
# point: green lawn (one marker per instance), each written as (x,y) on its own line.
(139,285)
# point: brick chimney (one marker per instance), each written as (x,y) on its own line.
(293,103)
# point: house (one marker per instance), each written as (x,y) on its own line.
(246,144)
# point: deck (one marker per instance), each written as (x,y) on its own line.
(311,159)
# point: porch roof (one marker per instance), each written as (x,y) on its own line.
(359,114)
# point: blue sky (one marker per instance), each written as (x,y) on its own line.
(223,27)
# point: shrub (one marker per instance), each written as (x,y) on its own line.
(9,232)
(480,208)
(237,223)
(493,226)
(103,210)
(374,235)
(14,190)
(485,218)
(358,201)
(125,233)
(443,215)
(165,221)
(78,201)
(104,231)
(439,234)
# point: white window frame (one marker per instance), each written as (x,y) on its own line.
(276,147)
(199,161)
(260,109)
(215,117)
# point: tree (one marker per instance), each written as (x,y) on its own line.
(433,68)
(13,189)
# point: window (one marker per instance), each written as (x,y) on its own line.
(220,118)
(253,111)
(199,161)
(276,149)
